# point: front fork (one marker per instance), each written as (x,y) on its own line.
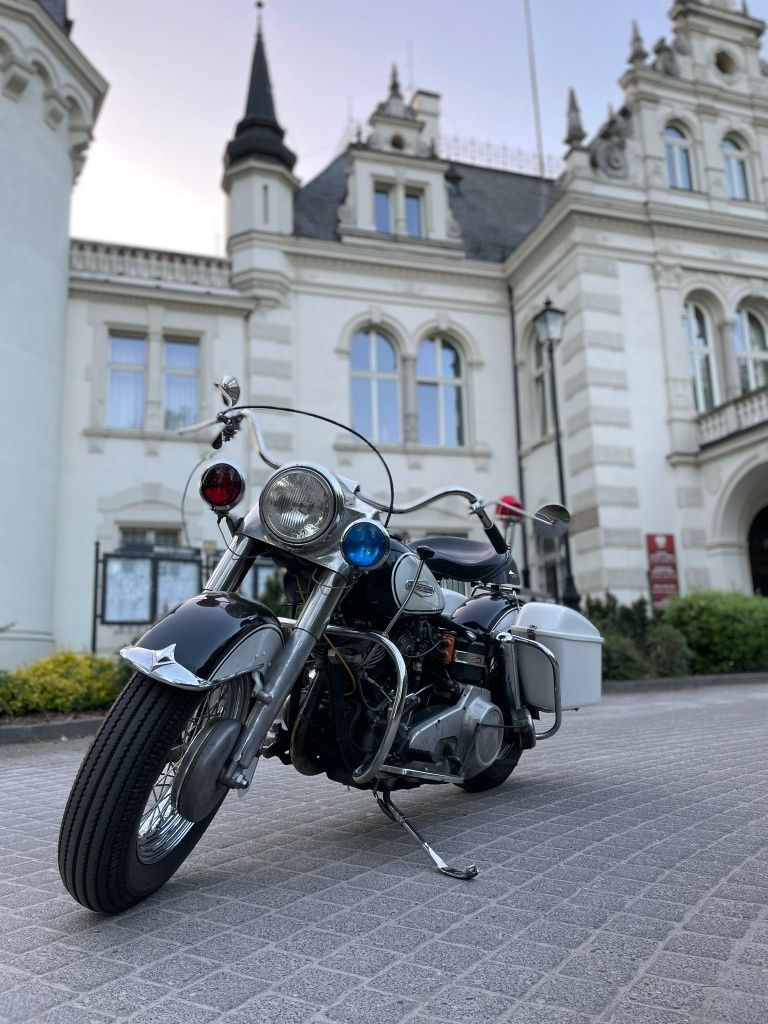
(289,663)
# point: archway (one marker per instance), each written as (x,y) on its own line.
(758,551)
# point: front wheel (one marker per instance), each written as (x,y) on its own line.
(121,836)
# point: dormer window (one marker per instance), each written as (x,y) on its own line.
(677,151)
(413,214)
(382,209)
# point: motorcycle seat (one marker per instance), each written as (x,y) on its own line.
(470,561)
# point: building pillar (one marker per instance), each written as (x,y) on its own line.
(729,360)
(410,409)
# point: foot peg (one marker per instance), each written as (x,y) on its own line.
(384,801)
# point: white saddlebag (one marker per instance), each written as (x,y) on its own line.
(575,643)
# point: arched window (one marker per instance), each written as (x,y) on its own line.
(440,393)
(701,357)
(735,163)
(375,387)
(540,389)
(751,341)
(677,149)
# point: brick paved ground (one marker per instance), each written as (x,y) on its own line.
(624,879)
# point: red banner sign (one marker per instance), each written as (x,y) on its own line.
(662,567)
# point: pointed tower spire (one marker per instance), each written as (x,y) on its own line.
(394,84)
(259,133)
(637,52)
(574,132)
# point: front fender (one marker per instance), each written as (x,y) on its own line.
(207,640)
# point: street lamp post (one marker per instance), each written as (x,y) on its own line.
(548,324)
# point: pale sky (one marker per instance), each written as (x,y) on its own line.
(178,72)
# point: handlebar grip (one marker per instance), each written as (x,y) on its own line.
(493,533)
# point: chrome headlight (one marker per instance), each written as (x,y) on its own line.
(300,504)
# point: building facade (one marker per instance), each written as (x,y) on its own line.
(396,292)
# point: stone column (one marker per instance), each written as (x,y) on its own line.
(729,361)
(410,412)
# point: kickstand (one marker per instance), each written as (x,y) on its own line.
(384,801)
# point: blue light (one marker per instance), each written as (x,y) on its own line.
(365,544)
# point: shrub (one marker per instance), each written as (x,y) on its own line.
(630,621)
(726,632)
(621,657)
(61,682)
(667,652)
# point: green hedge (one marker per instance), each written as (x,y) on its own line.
(726,632)
(706,633)
(63,682)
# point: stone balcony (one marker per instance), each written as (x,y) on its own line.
(131,263)
(735,417)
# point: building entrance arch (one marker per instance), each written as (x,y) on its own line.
(758,551)
(743,502)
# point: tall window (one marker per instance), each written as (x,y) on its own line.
(678,153)
(126,382)
(735,163)
(180,383)
(375,387)
(413,214)
(751,350)
(382,209)
(540,389)
(701,357)
(440,393)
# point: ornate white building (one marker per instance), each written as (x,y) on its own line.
(396,291)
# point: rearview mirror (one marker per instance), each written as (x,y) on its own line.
(552,520)
(229,389)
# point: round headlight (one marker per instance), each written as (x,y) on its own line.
(365,544)
(299,504)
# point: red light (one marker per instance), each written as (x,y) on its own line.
(502,512)
(221,486)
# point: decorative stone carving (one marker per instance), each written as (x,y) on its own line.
(637,52)
(16,77)
(609,149)
(574,132)
(666,60)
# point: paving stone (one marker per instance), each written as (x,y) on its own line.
(462,1004)
(410,979)
(71,1013)
(575,993)
(364,1006)
(738,1008)
(316,985)
(676,995)
(224,990)
(274,1010)
(24,1001)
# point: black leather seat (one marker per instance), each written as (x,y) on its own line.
(471,561)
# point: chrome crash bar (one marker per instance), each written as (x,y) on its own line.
(366,772)
(510,638)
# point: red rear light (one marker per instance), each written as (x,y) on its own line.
(222,486)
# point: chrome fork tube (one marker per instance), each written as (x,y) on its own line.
(232,566)
(286,669)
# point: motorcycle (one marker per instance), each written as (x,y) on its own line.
(382,678)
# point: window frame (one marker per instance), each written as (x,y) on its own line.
(442,383)
(736,168)
(385,189)
(695,353)
(745,354)
(373,375)
(418,195)
(165,372)
(115,367)
(542,401)
(678,155)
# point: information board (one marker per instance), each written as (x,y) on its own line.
(662,567)
(127,597)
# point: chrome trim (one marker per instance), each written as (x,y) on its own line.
(336,494)
(428,499)
(162,665)
(364,773)
(510,638)
(415,773)
(225,576)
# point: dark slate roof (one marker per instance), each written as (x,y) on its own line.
(259,133)
(495,209)
(58,11)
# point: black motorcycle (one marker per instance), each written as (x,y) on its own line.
(381,678)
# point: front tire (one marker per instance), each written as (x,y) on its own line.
(121,838)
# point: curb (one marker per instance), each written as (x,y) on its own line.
(38,731)
(614,686)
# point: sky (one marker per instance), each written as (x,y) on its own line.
(178,72)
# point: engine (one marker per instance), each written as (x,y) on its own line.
(450,726)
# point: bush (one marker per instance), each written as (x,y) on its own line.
(726,632)
(621,657)
(667,652)
(631,621)
(61,682)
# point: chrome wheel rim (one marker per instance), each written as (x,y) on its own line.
(161,827)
